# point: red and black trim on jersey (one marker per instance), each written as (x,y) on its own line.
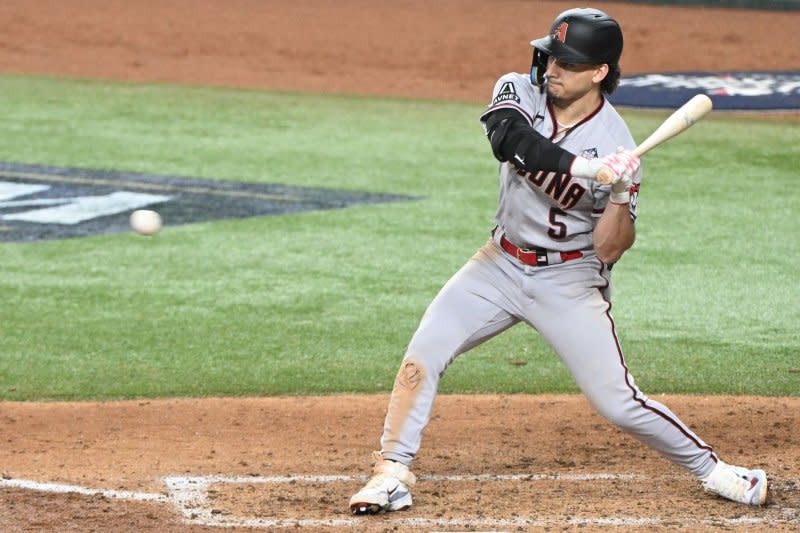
(561,187)
(634,201)
(584,120)
(508,105)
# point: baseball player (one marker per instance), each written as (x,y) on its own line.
(548,262)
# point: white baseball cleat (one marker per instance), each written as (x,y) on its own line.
(737,484)
(389,489)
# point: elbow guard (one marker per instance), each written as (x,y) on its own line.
(514,140)
(499,126)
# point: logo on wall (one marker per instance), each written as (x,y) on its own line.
(41,203)
(731,90)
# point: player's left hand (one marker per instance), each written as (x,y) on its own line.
(620,191)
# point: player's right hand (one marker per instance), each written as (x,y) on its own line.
(586,168)
(608,169)
(622,164)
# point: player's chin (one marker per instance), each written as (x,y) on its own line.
(555,94)
(554,90)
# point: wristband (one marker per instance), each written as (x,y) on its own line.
(620,197)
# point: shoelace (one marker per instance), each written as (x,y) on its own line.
(376,481)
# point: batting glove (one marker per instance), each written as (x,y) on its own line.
(620,191)
(586,168)
(626,165)
(622,164)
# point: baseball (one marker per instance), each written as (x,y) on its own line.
(145,222)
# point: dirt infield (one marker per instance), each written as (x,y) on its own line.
(510,463)
(514,463)
(448,49)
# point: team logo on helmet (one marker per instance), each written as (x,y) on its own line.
(560,33)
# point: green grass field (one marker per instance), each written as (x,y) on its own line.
(707,301)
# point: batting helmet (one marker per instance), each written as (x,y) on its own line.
(581,36)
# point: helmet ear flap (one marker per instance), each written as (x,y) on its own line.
(538,67)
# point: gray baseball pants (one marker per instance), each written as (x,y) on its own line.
(569,305)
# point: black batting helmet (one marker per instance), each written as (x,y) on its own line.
(582,36)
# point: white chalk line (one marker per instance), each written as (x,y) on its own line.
(189,495)
(179,480)
(59,488)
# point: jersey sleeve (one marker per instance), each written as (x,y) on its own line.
(512,90)
(633,204)
(510,123)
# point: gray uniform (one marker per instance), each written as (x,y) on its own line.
(561,289)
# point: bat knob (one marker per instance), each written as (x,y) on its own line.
(604,176)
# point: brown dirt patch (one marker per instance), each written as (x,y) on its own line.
(452,49)
(256,443)
(448,49)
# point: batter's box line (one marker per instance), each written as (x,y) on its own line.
(60,488)
(189,496)
(299,478)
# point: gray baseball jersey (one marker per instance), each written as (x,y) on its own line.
(562,290)
(547,209)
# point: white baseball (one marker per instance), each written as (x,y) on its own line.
(145,222)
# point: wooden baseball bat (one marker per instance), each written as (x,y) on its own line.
(696,108)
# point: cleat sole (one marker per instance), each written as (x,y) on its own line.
(365,508)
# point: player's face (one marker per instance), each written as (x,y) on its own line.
(567,82)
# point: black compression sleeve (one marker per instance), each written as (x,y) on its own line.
(514,140)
